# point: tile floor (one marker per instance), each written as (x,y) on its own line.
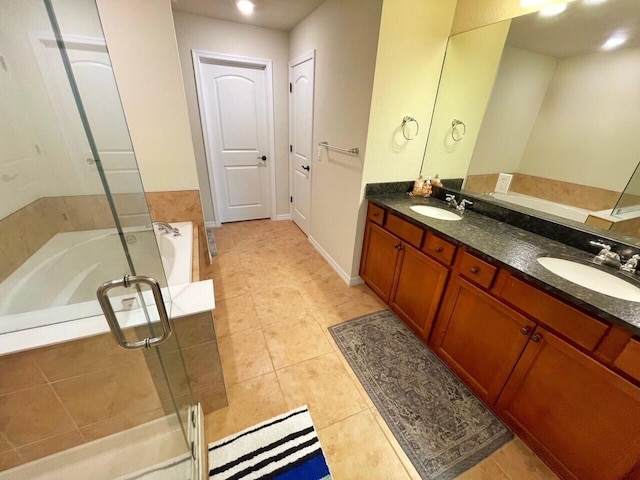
(275,298)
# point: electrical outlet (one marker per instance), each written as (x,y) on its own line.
(503,183)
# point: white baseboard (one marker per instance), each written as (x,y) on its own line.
(283,216)
(351,281)
(211,224)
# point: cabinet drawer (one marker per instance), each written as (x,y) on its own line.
(405,230)
(629,360)
(439,248)
(575,325)
(476,270)
(375,214)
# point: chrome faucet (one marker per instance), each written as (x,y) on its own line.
(166,228)
(606,256)
(453,203)
(631,265)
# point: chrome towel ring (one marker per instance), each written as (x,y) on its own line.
(408,119)
(455,124)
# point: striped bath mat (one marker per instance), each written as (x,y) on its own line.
(283,448)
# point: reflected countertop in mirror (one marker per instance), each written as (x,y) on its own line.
(557,112)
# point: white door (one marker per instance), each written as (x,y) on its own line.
(301,78)
(234,113)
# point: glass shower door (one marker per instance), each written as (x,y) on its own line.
(73,216)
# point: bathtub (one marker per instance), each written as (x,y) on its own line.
(566,211)
(32,314)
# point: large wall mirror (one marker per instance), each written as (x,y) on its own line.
(552,99)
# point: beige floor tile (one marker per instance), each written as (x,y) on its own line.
(269,277)
(9,460)
(324,293)
(324,385)
(258,257)
(411,470)
(355,379)
(292,342)
(519,462)
(250,402)
(235,315)
(277,304)
(340,313)
(230,286)
(485,470)
(225,263)
(244,355)
(368,298)
(356,448)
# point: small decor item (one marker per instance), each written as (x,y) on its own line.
(421,188)
(436,181)
(283,448)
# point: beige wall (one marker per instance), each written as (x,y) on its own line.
(519,91)
(585,123)
(142,44)
(478,13)
(413,39)
(344,35)
(202,33)
(469,72)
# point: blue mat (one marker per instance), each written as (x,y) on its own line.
(283,448)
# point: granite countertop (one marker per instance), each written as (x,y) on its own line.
(517,250)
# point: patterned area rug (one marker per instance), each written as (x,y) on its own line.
(440,424)
(283,448)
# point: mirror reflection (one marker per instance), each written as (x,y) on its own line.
(556,115)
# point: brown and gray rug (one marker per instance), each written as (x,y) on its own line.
(440,424)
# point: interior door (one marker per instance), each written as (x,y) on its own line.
(235,124)
(301,86)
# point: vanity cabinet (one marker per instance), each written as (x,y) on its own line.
(566,382)
(408,280)
(479,337)
(577,414)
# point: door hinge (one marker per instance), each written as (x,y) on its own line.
(290,199)
(291,148)
(290,87)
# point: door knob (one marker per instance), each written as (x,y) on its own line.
(263,158)
(306,167)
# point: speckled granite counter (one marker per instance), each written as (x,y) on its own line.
(517,250)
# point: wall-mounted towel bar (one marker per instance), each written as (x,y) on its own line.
(352,151)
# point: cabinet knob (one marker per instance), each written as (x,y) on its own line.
(525,330)
(474,270)
(438,249)
(536,338)
(400,247)
(375,214)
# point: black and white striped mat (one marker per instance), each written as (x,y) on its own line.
(282,448)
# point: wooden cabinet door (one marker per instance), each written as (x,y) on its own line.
(418,288)
(479,338)
(578,415)
(380,256)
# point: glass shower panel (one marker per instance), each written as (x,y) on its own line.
(73,215)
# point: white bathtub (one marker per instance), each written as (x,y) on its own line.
(566,211)
(33,314)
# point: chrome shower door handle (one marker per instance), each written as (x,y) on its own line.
(112,320)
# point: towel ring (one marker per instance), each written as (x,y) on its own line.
(408,119)
(454,124)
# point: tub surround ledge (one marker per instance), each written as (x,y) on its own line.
(516,249)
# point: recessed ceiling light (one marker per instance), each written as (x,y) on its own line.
(614,41)
(552,10)
(245,6)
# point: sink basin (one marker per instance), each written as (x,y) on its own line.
(435,212)
(591,278)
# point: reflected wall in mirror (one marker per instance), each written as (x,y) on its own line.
(561,117)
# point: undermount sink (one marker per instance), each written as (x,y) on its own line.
(435,212)
(591,278)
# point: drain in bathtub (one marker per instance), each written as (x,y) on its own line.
(130,239)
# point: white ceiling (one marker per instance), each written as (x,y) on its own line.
(581,29)
(278,14)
